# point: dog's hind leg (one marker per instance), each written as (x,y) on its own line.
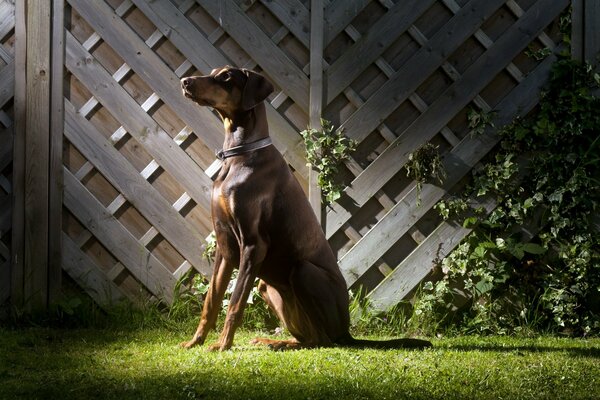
(314,308)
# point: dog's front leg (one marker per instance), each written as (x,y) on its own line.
(214,298)
(251,258)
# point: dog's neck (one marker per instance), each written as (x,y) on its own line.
(245,127)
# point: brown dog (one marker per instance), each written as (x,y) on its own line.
(266,227)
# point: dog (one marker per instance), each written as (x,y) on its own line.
(265,226)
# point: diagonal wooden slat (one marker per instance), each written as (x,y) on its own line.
(294,16)
(420,66)
(89,276)
(457,163)
(204,56)
(151,68)
(6,149)
(443,240)
(121,174)
(338,14)
(4,281)
(370,46)
(5,214)
(7,83)
(120,242)
(255,42)
(7,18)
(139,124)
(449,103)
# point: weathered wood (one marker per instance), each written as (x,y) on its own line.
(457,96)
(591,49)
(427,71)
(416,70)
(338,14)
(458,163)
(5,214)
(6,147)
(577,29)
(20,112)
(89,276)
(7,17)
(204,56)
(4,281)
(585,35)
(55,183)
(151,68)
(140,125)
(369,47)
(7,83)
(121,243)
(275,63)
(37,154)
(294,16)
(414,268)
(123,176)
(316,93)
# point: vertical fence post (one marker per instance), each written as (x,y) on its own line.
(585,35)
(35,266)
(316,93)
(56,144)
(37,151)
(17,295)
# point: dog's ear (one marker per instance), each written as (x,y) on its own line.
(257,89)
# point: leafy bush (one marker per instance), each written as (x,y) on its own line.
(534,261)
(326,150)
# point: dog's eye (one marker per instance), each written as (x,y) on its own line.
(223,77)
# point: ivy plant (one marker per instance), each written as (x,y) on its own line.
(326,151)
(424,165)
(534,261)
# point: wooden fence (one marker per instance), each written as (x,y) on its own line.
(112,185)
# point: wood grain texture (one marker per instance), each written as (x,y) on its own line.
(369,47)
(55,183)
(151,68)
(122,175)
(18,205)
(204,56)
(37,154)
(139,124)
(89,276)
(457,163)
(276,63)
(457,96)
(121,243)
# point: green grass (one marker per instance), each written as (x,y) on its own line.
(61,364)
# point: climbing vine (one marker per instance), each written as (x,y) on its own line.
(534,261)
(424,165)
(326,151)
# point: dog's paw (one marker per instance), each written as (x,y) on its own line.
(218,347)
(189,344)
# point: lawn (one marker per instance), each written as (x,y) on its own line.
(147,364)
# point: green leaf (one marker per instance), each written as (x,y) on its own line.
(470,222)
(484,286)
(534,248)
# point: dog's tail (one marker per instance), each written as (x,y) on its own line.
(401,343)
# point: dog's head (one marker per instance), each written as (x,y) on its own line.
(227,89)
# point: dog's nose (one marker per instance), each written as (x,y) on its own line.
(186,83)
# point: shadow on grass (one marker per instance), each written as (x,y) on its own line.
(590,352)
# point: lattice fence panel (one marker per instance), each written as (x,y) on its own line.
(139,156)
(7,80)
(405,73)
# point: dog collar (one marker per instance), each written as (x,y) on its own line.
(245,148)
